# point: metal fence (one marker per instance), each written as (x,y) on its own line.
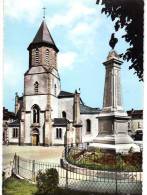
(83,178)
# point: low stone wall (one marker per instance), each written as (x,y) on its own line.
(119,175)
(7,172)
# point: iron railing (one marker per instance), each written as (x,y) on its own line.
(73,175)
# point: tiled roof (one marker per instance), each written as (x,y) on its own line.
(15,123)
(43,36)
(20,100)
(7,114)
(63,94)
(135,114)
(60,122)
(88,110)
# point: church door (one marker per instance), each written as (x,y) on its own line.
(35,139)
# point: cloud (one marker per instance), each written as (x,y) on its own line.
(29,10)
(80,22)
(80,28)
(20,9)
(13,72)
(66,60)
(76,10)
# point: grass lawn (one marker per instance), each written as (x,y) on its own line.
(14,186)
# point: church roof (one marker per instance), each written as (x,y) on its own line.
(15,123)
(135,114)
(58,122)
(44,37)
(64,94)
(7,114)
(88,110)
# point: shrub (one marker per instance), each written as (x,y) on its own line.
(47,182)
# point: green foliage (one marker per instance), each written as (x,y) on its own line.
(47,182)
(95,159)
(14,186)
(129,15)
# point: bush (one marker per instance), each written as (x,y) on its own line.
(47,182)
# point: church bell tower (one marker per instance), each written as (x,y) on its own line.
(41,89)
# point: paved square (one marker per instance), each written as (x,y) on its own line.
(39,153)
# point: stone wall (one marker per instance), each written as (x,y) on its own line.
(87,137)
(66,104)
(42,57)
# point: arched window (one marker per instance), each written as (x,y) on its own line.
(58,133)
(55,89)
(88,125)
(37,56)
(63,114)
(47,57)
(36,113)
(139,125)
(36,84)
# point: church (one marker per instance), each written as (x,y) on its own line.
(46,115)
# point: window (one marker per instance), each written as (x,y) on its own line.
(36,84)
(47,57)
(88,125)
(55,89)
(37,56)
(139,126)
(15,133)
(58,133)
(36,112)
(63,114)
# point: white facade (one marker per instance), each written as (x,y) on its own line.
(48,115)
(86,135)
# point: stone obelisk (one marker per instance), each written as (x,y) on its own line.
(113,120)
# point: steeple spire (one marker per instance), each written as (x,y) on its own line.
(44,8)
(43,38)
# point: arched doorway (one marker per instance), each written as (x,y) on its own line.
(35,137)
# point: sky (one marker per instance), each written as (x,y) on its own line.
(82,35)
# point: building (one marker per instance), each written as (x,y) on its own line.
(46,115)
(136,121)
(8,118)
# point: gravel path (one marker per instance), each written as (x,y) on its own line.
(43,154)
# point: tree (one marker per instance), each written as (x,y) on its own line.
(47,182)
(128,14)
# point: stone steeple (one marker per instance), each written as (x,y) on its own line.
(43,50)
(43,37)
(112,100)
(41,87)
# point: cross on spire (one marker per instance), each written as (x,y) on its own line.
(44,8)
